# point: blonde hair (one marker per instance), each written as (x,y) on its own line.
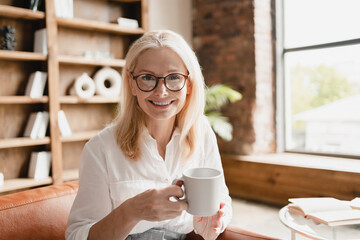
(130,120)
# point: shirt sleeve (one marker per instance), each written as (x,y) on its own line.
(212,159)
(92,202)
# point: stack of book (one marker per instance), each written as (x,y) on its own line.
(64,126)
(327,210)
(37,125)
(40,163)
(36,84)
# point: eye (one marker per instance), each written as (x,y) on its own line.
(147,77)
(174,77)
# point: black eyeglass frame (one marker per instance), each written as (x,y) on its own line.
(157,81)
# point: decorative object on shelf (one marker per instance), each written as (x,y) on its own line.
(36,84)
(40,163)
(83,87)
(1,179)
(98,55)
(37,125)
(64,8)
(107,82)
(64,126)
(128,23)
(35,5)
(40,42)
(217,96)
(8,41)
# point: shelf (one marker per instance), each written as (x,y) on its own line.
(22,100)
(91,62)
(94,99)
(22,13)
(126,1)
(79,136)
(71,174)
(23,142)
(22,183)
(92,25)
(25,56)
(63,62)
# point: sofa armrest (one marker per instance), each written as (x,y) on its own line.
(39,213)
(234,233)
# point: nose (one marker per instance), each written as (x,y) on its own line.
(161,89)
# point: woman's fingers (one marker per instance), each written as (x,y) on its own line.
(173,191)
(155,204)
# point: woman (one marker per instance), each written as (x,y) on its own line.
(126,170)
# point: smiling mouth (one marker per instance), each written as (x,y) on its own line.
(161,103)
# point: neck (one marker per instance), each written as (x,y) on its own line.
(161,131)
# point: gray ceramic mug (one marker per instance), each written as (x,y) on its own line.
(202,190)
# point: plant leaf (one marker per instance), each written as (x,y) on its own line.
(220,125)
(218,95)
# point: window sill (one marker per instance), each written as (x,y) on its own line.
(303,161)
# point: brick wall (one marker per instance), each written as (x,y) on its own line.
(233,41)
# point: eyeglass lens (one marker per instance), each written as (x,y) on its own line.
(173,82)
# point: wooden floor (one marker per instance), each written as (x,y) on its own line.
(260,218)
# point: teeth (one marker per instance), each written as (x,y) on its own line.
(161,103)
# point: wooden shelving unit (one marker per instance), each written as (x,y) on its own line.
(68,40)
(79,136)
(91,62)
(22,142)
(21,56)
(91,25)
(22,100)
(14,12)
(23,183)
(95,99)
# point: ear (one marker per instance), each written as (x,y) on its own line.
(132,83)
(188,87)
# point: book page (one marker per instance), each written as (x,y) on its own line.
(355,203)
(312,205)
(334,218)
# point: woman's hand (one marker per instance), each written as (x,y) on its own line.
(155,204)
(209,227)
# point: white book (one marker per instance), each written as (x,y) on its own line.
(44,124)
(327,210)
(40,42)
(36,84)
(40,163)
(1,179)
(58,8)
(128,23)
(33,125)
(63,124)
(70,9)
(64,8)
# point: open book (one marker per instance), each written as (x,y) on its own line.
(326,210)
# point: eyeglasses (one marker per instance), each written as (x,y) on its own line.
(148,82)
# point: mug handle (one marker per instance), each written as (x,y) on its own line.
(174,182)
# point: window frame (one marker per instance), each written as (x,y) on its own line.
(281,92)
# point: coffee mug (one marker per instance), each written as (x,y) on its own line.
(202,190)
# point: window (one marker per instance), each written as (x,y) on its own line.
(319,80)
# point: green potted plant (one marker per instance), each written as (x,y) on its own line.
(217,96)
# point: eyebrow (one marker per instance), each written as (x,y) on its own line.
(153,73)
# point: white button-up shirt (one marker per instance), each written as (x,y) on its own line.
(108,178)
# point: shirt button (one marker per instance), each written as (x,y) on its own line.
(166,180)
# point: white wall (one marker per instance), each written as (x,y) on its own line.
(175,15)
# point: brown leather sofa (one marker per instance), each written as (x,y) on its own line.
(42,213)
